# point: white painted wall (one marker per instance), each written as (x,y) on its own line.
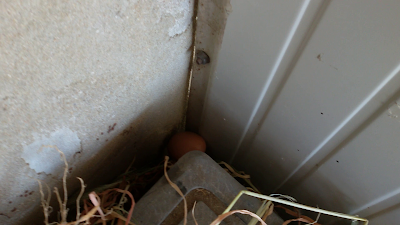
(304,99)
(102,80)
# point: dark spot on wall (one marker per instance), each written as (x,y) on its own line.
(14,209)
(76,153)
(97,139)
(337,161)
(202,57)
(101,133)
(2,214)
(111,128)
(70,170)
(298,150)
(334,67)
(319,57)
(30,193)
(106,140)
(21,196)
(26,195)
(126,131)
(322,113)
(9,202)
(26,191)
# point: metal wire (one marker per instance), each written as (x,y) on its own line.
(297,205)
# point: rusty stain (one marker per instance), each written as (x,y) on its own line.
(21,196)
(26,195)
(26,191)
(111,128)
(9,202)
(97,139)
(14,209)
(30,193)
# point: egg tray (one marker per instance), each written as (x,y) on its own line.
(201,180)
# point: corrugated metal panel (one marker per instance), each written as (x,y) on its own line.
(304,99)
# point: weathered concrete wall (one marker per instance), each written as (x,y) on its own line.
(102,80)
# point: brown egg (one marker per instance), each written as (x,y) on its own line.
(185,142)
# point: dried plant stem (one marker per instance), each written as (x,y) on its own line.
(123,199)
(194,218)
(116,215)
(266,205)
(120,209)
(85,217)
(239,174)
(95,199)
(48,196)
(176,189)
(78,212)
(269,212)
(293,220)
(45,204)
(63,206)
(130,165)
(59,201)
(128,219)
(246,212)
(316,220)
(233,171)
(292,213)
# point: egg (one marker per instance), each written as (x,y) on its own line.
(185,142)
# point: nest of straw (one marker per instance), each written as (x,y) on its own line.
(99,208)
(111,205)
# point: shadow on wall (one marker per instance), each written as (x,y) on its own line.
(384,212)
(217,146)
(271,172)
(142,139)
(267,168)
